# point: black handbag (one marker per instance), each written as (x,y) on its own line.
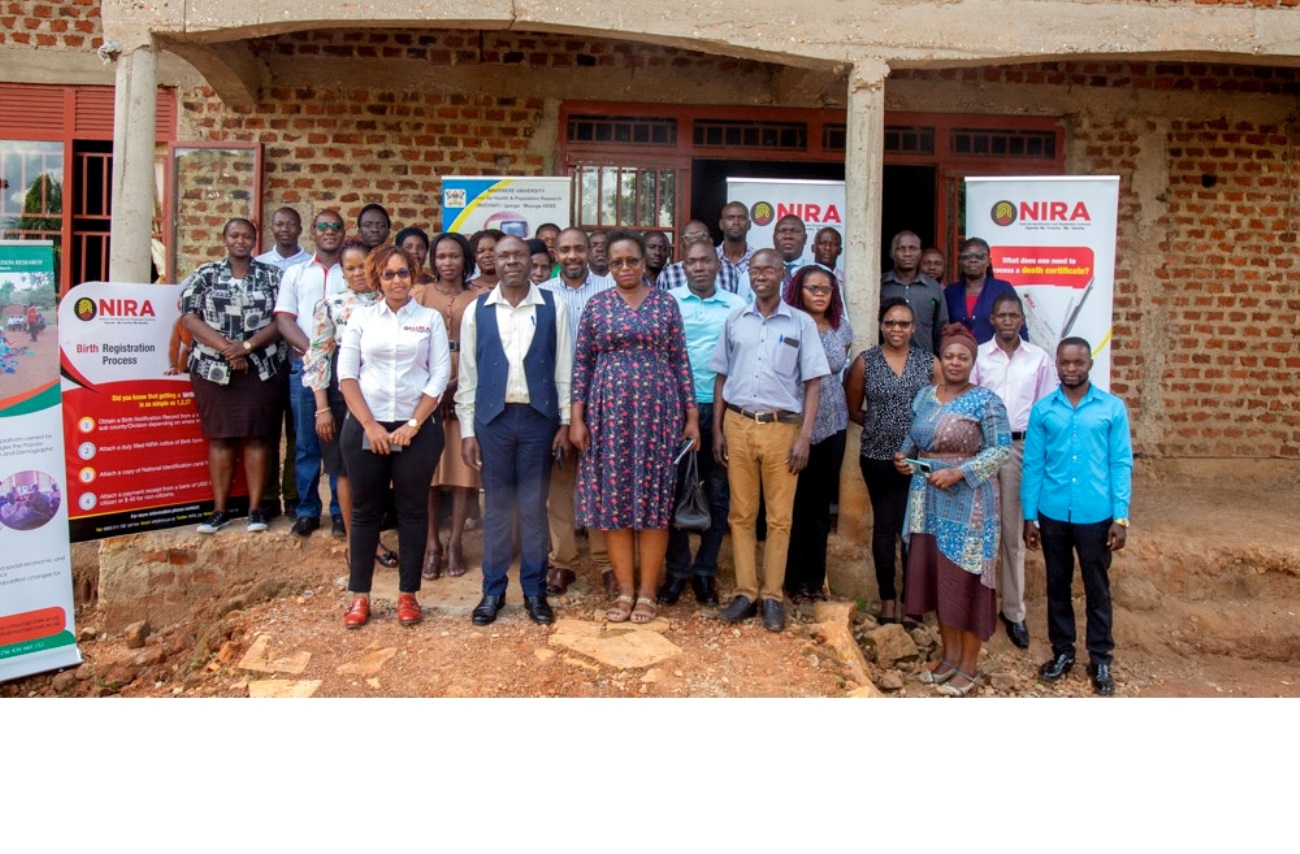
(691,510)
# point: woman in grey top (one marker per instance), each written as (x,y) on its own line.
(880,386)
(812,289)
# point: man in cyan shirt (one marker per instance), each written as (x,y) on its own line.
(1075,495)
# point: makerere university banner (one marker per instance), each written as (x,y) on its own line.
(1053,239)
(514,205)
(36,602)
(136,458)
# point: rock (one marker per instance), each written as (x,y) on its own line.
(834,612)
(150,657)
(282,688)
(891,644)
(86,634)
(64,681)
(890,680)
(922,638)
(544,654)
(257,659)
(836,631)
(84,673)
(367,665)
(227,652)
(1136,593)
(136,634)
(658,624)
(578,662)
(654,674)
(1004,681)
(620,651)
(867,690)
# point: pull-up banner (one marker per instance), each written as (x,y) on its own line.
(514,205)
(36,602)
(1053,239)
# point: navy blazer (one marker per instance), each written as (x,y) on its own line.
(979,324)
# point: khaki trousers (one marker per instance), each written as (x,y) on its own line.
(559,517)
(1011,572)
(757,457)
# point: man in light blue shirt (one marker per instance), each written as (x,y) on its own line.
(705,307)
(1075,493)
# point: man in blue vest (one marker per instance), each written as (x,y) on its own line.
(512,399)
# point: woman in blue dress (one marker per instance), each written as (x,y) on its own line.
(961,432)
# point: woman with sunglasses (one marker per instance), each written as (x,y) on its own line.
(880,387)
(970,299)
(394,364)
(814,289)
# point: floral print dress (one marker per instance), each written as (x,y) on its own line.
(632,373)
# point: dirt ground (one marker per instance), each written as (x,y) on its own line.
(1207,603)
(38,362)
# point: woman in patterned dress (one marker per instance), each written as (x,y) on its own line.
(236,367)
(633,406)
(880,387)
(961,431)
(813,289)
(450,294)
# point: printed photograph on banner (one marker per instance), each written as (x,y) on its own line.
(29,340)
(28,500)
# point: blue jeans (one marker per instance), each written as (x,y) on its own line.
(717,490)
(307,459)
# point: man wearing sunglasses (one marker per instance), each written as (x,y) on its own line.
(302,287)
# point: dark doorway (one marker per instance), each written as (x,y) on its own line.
(709,182)
(907,203)
(92,206)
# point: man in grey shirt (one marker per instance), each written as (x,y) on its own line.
(922,293)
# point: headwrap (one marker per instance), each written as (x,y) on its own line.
(955,333)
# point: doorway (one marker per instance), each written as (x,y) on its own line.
(907,203)
(709,182)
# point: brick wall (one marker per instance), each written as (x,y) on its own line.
(72,24)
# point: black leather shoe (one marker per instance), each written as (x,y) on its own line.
(671,590)
(539,610)
(739,609)
(558,580)
(773,615)
(705,589)
(337,529)
(1018,633)
(303,526)
(1057,667)
(1102,682)
(486,611)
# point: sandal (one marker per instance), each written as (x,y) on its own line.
(645,610)
(621,610)
(386,558)
(951,690)
(456,561)
(935,677)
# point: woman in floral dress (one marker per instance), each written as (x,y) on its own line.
(633,406)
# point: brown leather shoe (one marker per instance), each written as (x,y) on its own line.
(611,583)
(358,613)
(558,580)
(408,610)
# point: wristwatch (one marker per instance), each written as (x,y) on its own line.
(248,346)
(413,424)
(1123,523)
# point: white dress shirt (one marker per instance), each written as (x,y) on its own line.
(575,299)
(516,325)
(1021,379)
(303,285)
(275,259)
(396,356)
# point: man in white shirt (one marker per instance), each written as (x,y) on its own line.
(286,226)
(573,287)
(512,400)
(302,287)
(1021,374)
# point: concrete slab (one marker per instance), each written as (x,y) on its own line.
(621,651)
(258,659)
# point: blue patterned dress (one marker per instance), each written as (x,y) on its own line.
(632,372)
(953,533)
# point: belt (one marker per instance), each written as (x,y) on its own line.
(1017,436)
(772,417)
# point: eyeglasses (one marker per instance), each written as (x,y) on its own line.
(818,290)
(402,273)
(973,256)
(895,324)
(620,263)
(329,226)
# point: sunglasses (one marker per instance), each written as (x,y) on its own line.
(818,291)
(973,256)
(402,273)
(896,324)
(329,226)
(620,263)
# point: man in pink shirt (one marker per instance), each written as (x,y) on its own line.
(1020,373)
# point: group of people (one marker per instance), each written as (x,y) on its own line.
(570,376)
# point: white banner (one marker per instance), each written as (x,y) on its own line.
(514,205)
(1053,238)
(36,602)
(818,203)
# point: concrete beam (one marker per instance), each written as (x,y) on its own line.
(231,69)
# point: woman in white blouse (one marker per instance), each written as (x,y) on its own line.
(394,364)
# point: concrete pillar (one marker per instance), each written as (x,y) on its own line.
(134,116)
(863,170)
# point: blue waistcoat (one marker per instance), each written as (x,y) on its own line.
(493,368)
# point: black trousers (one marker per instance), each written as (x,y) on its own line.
(410,473)
(805,562)
(1061,540)
(718,491)
(888,491)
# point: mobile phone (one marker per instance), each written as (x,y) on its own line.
(366,446)
(681,450)
(559,456)
(922,466)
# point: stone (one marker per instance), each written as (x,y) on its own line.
(84,673)
(658,624)
(578,662)
(256,659)
(86,634)
(620,651)
(227,652)
(654,674)
(1136,593)
(835,629)
(64,681)
(1004,681)
(890,680)
(544,654)
(150,657)
(922,637)
(374,683)
(891,644)
(367,665)
(576,627)
(866,690)
(136,634)
(268,688)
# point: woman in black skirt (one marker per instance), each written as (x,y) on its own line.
(236,367)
